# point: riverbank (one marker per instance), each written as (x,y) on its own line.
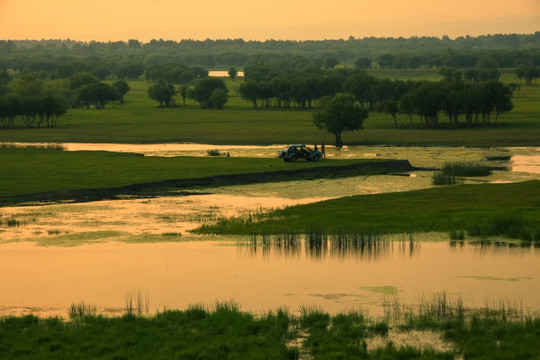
(437,328)
(477,210)
(84,176)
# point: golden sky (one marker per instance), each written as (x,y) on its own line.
(105,20)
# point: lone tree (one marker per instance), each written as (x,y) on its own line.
(163,93)
(232,72)
(340,113)
(122,88)
(98,94)
(202,92)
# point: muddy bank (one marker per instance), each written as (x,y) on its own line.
(180,186)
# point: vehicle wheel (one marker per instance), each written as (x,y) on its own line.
(316,157)
(292,159)
(286,159)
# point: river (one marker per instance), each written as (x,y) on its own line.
(101,251)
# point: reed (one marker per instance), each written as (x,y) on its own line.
(82,310)
(512,226)
(440,178)
(501,330)
(466,169)
(137,304)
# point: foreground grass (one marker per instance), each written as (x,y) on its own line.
(31,171)
(139,120)
(482,210)
(228,333)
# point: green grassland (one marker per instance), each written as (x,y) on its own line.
(140,120)
(29,171)
(485,209)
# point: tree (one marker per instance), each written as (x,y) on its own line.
(232,72)
(98,94)
(101,71)
(202,92)
(130,71)
(122,88)
(363,63)
(80,79)
(361,86)
(184,93)
(218,98)
(389,106)
(330,63)
(340,113)
(528,72)
(64,70)
(162,92)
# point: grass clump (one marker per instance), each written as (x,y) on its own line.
(82,311)
(213,153)
(440,178)
(465,169)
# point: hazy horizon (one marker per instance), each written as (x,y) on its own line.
(102,20)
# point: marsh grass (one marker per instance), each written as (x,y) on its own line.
(137,303)
(172,234)
(512,226)
(223,331)
(81,311)
(490,209)
(466,169)
(440,178)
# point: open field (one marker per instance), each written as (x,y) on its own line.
(480,209)
(139,120)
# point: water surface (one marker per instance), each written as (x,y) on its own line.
(46,280)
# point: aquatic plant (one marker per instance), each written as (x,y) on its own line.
(457,234)
(82,310)
(440,178)
(136,304)
(500,330)
(512,226)
(466,169)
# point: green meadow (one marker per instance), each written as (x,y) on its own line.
(27,171)
(479,210)
(140,120)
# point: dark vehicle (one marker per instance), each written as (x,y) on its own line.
(298,151)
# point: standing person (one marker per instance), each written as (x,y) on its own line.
(316,147)
(323,151)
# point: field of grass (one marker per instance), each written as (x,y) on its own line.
(228,333)
(485,209)
(139,120)
(29,171)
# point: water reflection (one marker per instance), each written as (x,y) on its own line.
(319,246)
(276,272)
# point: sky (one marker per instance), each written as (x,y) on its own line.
(112,20)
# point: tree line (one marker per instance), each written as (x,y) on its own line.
(470,98)
(131,59)
(38,102)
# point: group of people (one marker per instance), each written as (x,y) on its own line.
(323,150)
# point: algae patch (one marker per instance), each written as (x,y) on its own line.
(384,290)
(494,278)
